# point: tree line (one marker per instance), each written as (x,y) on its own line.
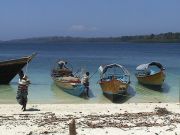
(163,37)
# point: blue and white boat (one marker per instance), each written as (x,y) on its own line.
(65,80)
(71,85)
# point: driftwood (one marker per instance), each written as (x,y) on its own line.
(72,127)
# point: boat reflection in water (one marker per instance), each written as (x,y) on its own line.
(146,94)
(8,93)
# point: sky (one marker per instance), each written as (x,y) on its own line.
(87,18)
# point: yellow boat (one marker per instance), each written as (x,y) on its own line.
(151,74)
(114,79)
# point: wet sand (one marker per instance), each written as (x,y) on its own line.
(91,119)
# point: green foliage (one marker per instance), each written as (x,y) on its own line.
(163,37)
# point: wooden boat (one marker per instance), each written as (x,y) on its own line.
(10,68)
(150,74)
(66,81)
(114,79)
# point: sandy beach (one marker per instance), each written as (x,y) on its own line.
(91,119)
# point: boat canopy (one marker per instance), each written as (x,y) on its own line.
(143,67)
(103,69)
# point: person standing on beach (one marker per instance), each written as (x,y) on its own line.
(22,91)
(85,82)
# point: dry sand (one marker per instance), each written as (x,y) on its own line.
(91,119)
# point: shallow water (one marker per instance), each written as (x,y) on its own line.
(90,56)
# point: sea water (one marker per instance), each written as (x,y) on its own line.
(88,57)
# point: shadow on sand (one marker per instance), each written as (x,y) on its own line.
(164,88)
(32,109)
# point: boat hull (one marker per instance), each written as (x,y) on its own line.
(113,86)
(152,80)
(75,89)
(9,69)
(116,97)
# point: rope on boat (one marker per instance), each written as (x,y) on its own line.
(26,69)
(77,71)
(93,74)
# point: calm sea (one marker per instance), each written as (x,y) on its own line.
(90,56)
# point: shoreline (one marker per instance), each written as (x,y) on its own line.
(86,42)
(109,119)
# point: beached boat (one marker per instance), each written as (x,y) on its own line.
(114,79)
(151,74)
(71,85)
(66,81)
(10,68)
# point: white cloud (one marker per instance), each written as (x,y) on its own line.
(81,28)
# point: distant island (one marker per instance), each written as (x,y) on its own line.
(152,38)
